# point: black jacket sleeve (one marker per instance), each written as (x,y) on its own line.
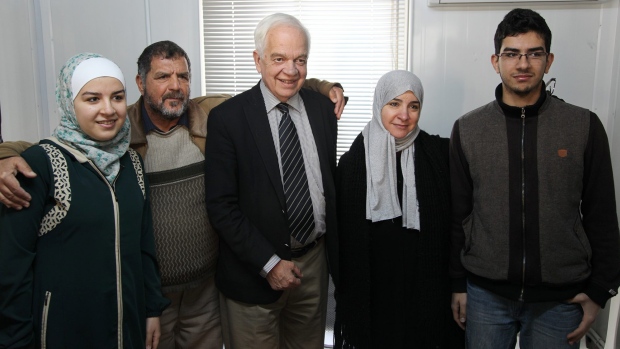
(462,198)
(600,221)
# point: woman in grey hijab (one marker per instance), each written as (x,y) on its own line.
(394,222)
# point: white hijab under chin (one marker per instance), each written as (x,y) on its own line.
(381,147)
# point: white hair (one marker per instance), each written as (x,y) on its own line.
(266,24)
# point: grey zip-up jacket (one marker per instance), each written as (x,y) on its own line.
(534,212)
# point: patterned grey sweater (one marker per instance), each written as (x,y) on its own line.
(186,244)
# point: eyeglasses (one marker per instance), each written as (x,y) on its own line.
(530,56)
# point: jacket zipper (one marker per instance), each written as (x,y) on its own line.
(46,307)
(522,200)
(119,282)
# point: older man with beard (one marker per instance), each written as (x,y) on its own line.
(173,127)
(169,130)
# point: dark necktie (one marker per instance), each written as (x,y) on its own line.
(298,202)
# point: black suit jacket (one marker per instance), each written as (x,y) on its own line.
(244,194)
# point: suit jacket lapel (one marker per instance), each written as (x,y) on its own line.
(256,114)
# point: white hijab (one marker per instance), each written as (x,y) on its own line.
(381,147)
(77,72)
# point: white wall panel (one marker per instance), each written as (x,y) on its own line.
(453,47)
(18,87)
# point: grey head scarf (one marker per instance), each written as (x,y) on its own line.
(381,147)
(77,72)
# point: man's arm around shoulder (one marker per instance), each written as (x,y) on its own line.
(11,194)
(10,149)
(207,103)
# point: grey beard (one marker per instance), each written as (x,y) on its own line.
(163,111)
(171,114)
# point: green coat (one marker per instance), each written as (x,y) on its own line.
(87,277)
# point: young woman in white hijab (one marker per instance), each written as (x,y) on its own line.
(394,221)
(78,269)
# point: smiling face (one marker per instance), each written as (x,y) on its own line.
(522,77)
(167,88)
(401,114)
(283,63)
(100,108)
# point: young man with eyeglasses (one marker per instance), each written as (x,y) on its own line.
(535,244)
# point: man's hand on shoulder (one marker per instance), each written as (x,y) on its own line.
(11,193)
(284,276)
(336,94)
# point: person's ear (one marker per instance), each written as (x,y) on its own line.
(550,58)
(140,84)
(495,62)
(257,61)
